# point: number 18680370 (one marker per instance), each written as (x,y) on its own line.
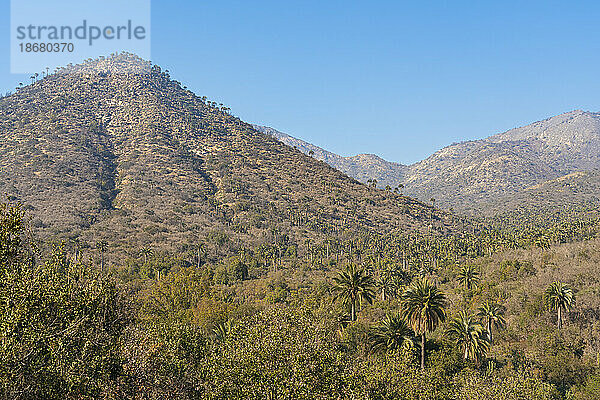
(47,47)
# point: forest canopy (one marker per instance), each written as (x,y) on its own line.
(71,329)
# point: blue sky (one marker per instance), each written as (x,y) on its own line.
(399,79)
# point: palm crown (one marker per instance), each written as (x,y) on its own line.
(559,297)
(392,333)
(468,276)
(470,335)
(493,315)
(353,286)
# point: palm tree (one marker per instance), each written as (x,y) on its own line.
(424,308)
(199,251)
(387,283)
(146,252)
(77,248)
(222,331)
(559,296)
(432,212)
(392,333)
(468,276)
(102,246)
(493,315)
(470,335)
(353,286)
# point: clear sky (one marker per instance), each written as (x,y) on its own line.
(398,79)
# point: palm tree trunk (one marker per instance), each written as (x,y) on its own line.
(490,329)
(559,317)
(353,315)
(423,351)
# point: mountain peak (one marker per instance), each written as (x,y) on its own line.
(568,129)
(116,63)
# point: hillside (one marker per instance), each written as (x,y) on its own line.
(362,167)
(573,196)
(466,175)
(114,149)
(489,175)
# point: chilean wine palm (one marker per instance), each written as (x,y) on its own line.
(559,297)
(424,308)
(353,286)
(388,282)
(492,314)
(468,276)
(470,335)
(222,331)
(146,252)
(392,333)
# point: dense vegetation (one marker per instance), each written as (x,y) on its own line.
(154,246)
(240,326)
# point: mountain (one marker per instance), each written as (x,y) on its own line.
(470,174)
(483,175)
(362,167)
(114,149)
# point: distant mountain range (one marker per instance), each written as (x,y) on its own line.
(472,176)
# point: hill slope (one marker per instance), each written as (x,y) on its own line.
(468,174)
(106,150)
(572,196)
(362,167)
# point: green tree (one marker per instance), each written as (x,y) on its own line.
(493,316)
(353,286)
(386,284)
(470,335)
(60,323)
(14,246)
(468,276)
(392,333)
(279,353)
(424,308)
(559,297)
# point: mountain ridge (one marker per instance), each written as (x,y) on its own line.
(361,166)
(468,175)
